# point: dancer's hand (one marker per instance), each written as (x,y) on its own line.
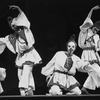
(91,11)
(88,68)
(96,7)
(13,7)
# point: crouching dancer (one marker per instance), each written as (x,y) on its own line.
(61,70)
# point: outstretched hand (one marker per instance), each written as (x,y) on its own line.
(13,7)
(96,7)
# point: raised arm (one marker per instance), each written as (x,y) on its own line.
(15,7)
(88,22)
(91,11)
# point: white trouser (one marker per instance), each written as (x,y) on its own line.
(25,77)
(55,90)
(93,79)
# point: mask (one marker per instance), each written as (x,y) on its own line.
(71,47)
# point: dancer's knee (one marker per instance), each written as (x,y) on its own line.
(76,90)
(55,90)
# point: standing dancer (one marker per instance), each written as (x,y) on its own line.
(89,41)
(2,78)
(2,70)
(21,42)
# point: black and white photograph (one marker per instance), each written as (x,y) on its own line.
(49,49)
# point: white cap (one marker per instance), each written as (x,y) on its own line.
(21,19)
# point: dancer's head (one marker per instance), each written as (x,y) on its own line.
(96,27)
(20,20)
(71,45)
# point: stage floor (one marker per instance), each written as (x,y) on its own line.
(18,96)
(45,97)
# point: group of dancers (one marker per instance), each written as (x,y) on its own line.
(61,69)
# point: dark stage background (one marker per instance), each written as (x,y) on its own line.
(52,24)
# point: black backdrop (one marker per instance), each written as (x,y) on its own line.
(52,24)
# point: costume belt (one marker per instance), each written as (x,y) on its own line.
(58,71)
(26,51)
(89,48)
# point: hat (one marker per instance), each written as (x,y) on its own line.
(72,39)
(21,19)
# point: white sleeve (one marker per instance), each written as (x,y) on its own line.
(48,69)
(2,40)
(87,20)
(29,37)
(81,39)
(96,40)
(80,64)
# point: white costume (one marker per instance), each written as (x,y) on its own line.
(27,56)
(2,78)
(2,70)
(90,53)
(60,76)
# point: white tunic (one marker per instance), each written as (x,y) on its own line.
(24,60)
(32,56)
(57,63)
(2,77)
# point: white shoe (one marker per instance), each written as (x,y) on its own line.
(22,92)
(48,94)
(69,93)
(29,92)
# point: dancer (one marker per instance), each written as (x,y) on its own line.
(61,69)
(2,77)
(21,43)
(89,41)
(2,70)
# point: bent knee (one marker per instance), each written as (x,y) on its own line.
(55,90)
(76,90)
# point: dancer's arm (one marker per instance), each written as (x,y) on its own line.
(91,11)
